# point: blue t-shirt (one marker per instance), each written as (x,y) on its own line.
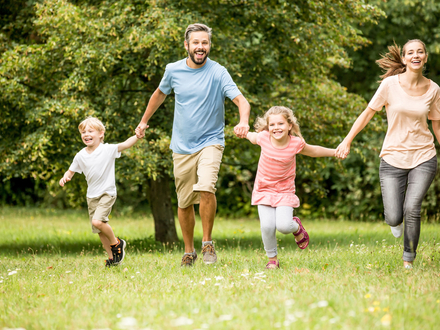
(199,111)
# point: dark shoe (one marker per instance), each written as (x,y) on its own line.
(119,251)
(189,259)
(209,255)
(109,263)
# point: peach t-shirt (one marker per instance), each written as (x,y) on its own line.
(275,181)
(408,141)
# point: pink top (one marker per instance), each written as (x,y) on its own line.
(408,141)
(275,181)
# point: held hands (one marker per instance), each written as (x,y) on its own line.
(140,130)
(343,150)
(241,130)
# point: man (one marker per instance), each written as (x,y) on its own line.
(200,87)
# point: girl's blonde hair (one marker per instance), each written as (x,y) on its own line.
(94,123)
(392,63)
(262,123)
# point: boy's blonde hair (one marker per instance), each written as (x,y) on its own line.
(94,123)
(262,123)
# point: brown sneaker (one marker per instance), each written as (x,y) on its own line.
(189,259)
(209,255)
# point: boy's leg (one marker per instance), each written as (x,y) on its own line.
(106,243)
(105,229)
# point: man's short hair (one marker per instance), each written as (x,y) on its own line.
(197,27)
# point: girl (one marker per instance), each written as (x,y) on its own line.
(408,160)
(280,139)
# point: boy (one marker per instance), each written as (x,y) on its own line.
(97,162)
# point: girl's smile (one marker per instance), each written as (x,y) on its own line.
(279,130)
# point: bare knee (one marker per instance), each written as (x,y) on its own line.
(98,224)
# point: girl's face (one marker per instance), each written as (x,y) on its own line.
(279,128)
(415,56)
(91,137)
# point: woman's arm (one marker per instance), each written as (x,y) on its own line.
(436,129)
(364,118)
(317,151)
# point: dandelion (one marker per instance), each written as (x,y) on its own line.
(127,323)
(386,320)
(322,303)
(386,309)
(367,296)
(376,303)
(182,321)
(225,317)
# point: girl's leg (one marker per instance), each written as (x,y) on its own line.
(393,184)
(284,220)
(268,228)
(419,180)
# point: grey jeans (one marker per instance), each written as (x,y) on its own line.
(403,191)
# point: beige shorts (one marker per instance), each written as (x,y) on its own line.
(196,172)
(99,209)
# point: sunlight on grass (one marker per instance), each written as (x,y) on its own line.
(52,276)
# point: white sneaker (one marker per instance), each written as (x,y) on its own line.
(397,231)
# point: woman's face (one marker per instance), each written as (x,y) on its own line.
(415,56)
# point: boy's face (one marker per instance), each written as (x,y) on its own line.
(91,136)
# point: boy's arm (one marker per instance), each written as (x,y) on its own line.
(128,143)
(317,151)
(67,177)
(252,137)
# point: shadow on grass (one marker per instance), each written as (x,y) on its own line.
(93,246)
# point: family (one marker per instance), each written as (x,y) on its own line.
(407,167)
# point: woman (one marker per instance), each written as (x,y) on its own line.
(408,158)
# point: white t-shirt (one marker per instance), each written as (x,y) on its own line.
(99,169)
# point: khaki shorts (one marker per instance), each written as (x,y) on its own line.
(99,209)
(196,172)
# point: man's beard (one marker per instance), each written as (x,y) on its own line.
(191,56)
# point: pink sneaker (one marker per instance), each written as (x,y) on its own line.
(273,264)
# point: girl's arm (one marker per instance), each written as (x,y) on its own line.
(436,129)
(127,144)
(364,118)
(317,151)
(252,137)
(67,177)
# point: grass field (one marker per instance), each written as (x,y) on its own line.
(52,276)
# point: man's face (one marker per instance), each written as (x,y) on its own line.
(198,47)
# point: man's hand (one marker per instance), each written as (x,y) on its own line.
(140,130)
(241,130)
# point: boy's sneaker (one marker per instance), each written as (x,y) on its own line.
(109,263)
(189,259)
(209,255)
(118,251)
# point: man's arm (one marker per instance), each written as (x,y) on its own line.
(155,101)
(67,177)
(244,110)
(128,143)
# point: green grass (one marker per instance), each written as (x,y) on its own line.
(350,277)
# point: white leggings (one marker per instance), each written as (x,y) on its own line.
(272,219)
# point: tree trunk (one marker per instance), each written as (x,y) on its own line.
(160,201)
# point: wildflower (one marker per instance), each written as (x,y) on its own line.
(127,323)
(218,278)
(225,317)
(386,319)
(322,303)
(367,296)
(12,273)
(182,321)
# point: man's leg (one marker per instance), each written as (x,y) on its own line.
(187,223)
(208,207)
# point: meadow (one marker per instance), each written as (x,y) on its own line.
(52,276)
